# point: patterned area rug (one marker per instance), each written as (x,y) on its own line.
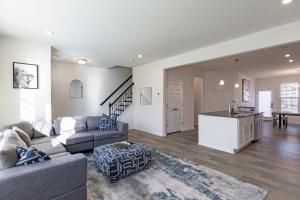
(171,178)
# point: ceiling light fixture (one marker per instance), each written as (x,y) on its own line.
(291,60)
(140,55)
(236,85)
(81,61)
(285,2)
(222,82)
(50,33)
(287,55)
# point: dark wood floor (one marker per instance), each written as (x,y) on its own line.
(272,163)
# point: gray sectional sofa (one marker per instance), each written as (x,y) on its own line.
(61,178)
(82,133)
(64,176)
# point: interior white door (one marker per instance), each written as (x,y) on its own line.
(265,102)
(174,109)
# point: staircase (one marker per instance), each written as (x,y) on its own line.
(122,102)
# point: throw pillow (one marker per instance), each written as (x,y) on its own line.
(8,154)
(107,123)
(10,136)
(24,136)
(30,156)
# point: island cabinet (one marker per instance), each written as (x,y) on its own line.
(229,133)
(245,131)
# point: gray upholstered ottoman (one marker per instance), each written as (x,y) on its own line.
(116,163)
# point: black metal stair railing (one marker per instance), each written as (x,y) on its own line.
(122,102)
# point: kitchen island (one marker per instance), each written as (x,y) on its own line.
(226,132)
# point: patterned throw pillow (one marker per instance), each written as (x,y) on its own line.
(30,156)
(107,123)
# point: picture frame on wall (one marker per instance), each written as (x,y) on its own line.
(246,90)
(25,76)
(146,96)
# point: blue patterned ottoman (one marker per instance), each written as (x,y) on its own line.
(116,163)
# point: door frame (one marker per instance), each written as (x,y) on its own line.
(272,101)
(166,107)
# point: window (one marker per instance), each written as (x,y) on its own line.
(289,96)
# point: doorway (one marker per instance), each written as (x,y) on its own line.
(174,106)
(265,103)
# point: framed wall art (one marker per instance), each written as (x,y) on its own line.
(25,76)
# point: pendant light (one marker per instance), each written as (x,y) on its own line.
(222,82)
(236,85)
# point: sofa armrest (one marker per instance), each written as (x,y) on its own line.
(44,180)
(122,127)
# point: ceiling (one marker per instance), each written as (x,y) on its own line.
(270,62)
(114,32)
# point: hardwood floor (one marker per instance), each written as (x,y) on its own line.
(272,163)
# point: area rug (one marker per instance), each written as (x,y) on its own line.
(171,178)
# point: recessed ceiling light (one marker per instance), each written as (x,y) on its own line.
(287,55)
(286,1)
(140,55)
(291,60)
(82,61)
(49,32)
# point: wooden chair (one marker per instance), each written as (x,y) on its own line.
(275,118)
(285,121)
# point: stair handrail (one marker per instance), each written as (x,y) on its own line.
(110,104)
(116,90)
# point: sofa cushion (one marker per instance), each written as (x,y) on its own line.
(12,137)
(93,122)
(107,123)
(42,140)
(80,137)
(64,125)
(24,136)
(8,153)
(57,155)
(30,156)
(100,135)
(42,129)
(25,126)
(50,147)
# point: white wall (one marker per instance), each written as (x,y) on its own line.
(214,100)
(238,91)
(24,104)
(274,85)
(198,98)
(98,83)
(151,118)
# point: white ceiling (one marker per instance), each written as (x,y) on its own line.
(263,63)
(112,32)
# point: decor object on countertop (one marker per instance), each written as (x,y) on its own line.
(30,156)
(171,177)
(107,123)
(116,163)
(246,90)
(25,76)
(146,96)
